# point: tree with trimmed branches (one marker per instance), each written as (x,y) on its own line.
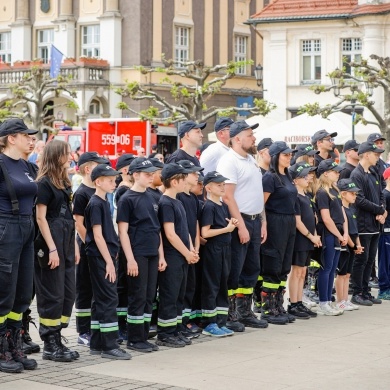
(373,76)
(191,85)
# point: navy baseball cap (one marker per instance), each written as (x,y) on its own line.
(375,137)
(280,147)
(369,147)
(142,164)
(214,177)
(91,156)
(328,165)
(173,169)
(156,162)
(347,185)
(187,126)
(103,170)
(321,134)
(306,150)
(200,177)
(190,166)
(124,160)
(237,127)
(222,122)
(13,126)
(264,143)
(351,144)
(301,169)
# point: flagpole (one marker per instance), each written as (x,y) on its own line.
(65,57)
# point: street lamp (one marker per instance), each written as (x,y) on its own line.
(259,75)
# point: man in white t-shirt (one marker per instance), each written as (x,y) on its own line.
(210,157)
(245,200)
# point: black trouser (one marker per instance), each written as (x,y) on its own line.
(16,269)
(190,293)
(277,251)
(172,286)
(104,321)
(196,314)
(122,290)
(141,293)
(55,288)
(83,292)
(216,268)
(362,265)
(245,259)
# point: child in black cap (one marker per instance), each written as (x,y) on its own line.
(137,218)
(216,226)
(102,246)
(153,188)
(179,252)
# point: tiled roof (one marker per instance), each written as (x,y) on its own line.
(295,10)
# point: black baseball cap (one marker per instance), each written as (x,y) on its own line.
(369,147)
(200,177)
(321,134)
(190,166)
(13,126)
(264,143)
(142,164)
(375,137)
(328,165)
(214,177)
(301,169)
(91,156)
(124,160)
(103,170)
(237,127)
(156,162)
(280,147)
(347,185)
(187,126)
(351,144)
(173,169)
(306,150)
(222,122)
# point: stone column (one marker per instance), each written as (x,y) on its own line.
(64,34)
(66,8)
(112,6)
(21,32)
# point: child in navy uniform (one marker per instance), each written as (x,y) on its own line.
(102,246)
(216,226)
(179,252)
(137,219)
(348,192)
(153,188)
(81,197)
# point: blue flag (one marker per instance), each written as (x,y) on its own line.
(55,62)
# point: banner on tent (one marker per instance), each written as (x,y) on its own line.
(297,139)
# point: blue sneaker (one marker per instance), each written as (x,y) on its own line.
(384,295)
(228,332)
(84,339)
(213,330)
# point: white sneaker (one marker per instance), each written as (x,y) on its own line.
(343,305)
(352,305)
(333,305)
(308,302)
(324,309)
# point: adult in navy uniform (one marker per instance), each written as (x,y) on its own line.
(380,166)
(350,150)
(243,196)
(191,136)
(210,157)
(17,193)
(324,143)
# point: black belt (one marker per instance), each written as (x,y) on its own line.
(250,217)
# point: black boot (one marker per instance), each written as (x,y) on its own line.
(74,354)
(245,314)
(15,347)
(257,296)
(28,345)
(232,320)
(269,311)
(53,351)
(280,307)
(7,363)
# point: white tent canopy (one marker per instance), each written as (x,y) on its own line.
(299,129)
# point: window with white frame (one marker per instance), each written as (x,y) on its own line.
(5,46)
(240,51)
(311,61)
(182,44)
(45,39)
(351,51)
(90,41)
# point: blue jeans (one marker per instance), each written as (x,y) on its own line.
(326,274)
